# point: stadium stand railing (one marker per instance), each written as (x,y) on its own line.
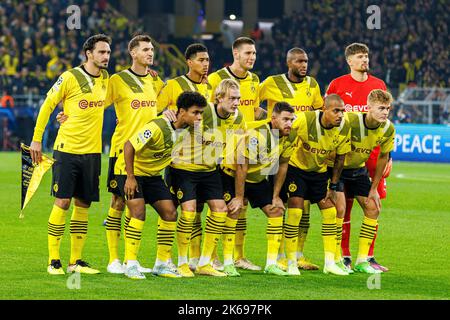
(423,105)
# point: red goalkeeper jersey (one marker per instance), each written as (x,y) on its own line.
(354,93)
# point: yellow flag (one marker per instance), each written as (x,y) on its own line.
(31,175)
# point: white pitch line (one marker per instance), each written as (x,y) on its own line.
(416,178)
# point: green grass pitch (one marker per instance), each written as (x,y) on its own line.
(413,240)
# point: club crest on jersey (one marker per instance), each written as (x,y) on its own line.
(227,196)
(292,187)
(336,139)
(379,140)
(180,194)
(113,184)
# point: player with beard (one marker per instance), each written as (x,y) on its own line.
(302,92)
(77,150)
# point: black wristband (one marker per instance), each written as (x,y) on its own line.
(333,186)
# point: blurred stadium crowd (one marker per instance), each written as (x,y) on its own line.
(411,48)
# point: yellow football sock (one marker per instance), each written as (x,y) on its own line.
(228,237)
(55,231)
(215,222)
(78,232)
(196,237)
(291,232)
(337,254)
(366,235)
(241,228)
(184,230)
(274,233)
(133,238)
(165,237)
(281,253)
(303,229)
(329,233)
(125,228)
(113,225)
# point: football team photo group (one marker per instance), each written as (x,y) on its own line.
(203,140)
(224,150)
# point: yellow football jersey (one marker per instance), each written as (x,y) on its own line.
(168,96)
(206,144)
(83,97)
(135,102)
(315,144)
(249,89)
(153,144)
(364,140)
(302,96)
(263,148)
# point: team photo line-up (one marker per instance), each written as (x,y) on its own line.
(203,140)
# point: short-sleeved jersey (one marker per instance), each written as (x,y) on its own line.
(153,144)
(316,144)
(302,96)
(364,140)
(135,102)
(83,97)
(355,93)
(263,148)
(206,144)
(168,96)
(249,90)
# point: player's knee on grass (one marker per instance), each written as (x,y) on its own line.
(234,216)
(117,203)
(137,208)
(218,206)
(166,210)
(189,206)
(325,204)
(296,202)
(369,208)
(340,205)
(272,212)
(82,203)
(62,203)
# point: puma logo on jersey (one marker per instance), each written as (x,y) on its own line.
(349,94)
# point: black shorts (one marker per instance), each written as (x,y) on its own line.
(76,175)
(111,181)
(151,189)
(283,192)
(310,186)
(189,185)
(354,182)
(258,194)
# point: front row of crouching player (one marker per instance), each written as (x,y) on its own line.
(225,162)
